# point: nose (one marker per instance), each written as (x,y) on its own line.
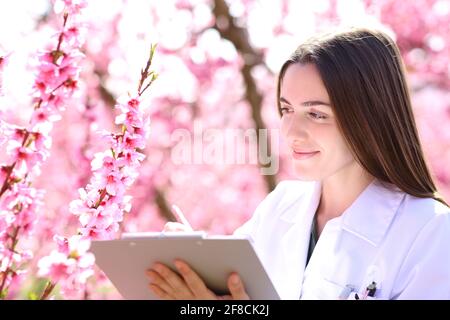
(294,130)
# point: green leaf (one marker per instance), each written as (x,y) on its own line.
(33,296)
(3,294)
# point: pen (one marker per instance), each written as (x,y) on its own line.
(371,289)
(180,216)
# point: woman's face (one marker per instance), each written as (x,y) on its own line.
(317,147)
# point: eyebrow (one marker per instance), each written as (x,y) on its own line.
(309,103)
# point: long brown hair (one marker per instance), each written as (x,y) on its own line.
(363,73)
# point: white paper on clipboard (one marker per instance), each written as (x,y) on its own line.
(124,261)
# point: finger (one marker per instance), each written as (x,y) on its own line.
(225,297)
(179,288)
(194,282)
(156,279)
(174,226)
(159,292)
(236,287)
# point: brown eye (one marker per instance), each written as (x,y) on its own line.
(284,110)
(316,115)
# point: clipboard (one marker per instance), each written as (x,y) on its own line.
(124,261)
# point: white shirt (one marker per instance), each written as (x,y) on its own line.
(397,240)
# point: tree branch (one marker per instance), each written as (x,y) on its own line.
(105,94)
(228,29)
(163,206)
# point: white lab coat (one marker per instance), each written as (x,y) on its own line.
(399,241)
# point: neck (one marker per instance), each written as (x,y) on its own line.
(341,190)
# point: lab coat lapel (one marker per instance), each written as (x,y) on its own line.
(295,242)
(339,258)
(370,216)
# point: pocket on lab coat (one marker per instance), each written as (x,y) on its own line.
(324,289)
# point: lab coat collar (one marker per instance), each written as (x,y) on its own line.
(302,197)
(371,214)
(368,217)
(297,208)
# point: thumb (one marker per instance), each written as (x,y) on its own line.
(236,287)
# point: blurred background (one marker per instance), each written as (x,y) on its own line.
(218,62)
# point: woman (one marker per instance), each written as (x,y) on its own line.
(364,219)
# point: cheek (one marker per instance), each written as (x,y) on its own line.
(334,144)
(334,155)
(284,125)
(337,154)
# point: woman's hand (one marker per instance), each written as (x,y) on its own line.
(176,226)
(168,285)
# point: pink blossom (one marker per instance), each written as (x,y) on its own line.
(56,266)
(7,218)
(73,7)
(53,74)
(43,115)
(68,68)
(84,207)
(111,139)
(103,218)
(55,82)
(22,257)
(132,141)
(144,130)
(130,158)
(78,246)
(23,155)
(96,233)
(4,169)
(96,219)
(6,258)
(79,207)
(112,174)
(113,210)
(130,173)
(41,140)
(62,243)
(12,132)
(57,102)
(75,35)
(91,197)
(104,161)
(133,104)
(112,182)
(41,87)
(125,204)
(131,119)
(19,134)
(20,193)
(47,74)
(70,260)
(26,218)
(131,116)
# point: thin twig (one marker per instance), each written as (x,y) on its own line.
(144,72)
(48,289)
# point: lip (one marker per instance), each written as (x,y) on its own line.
(298,155)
